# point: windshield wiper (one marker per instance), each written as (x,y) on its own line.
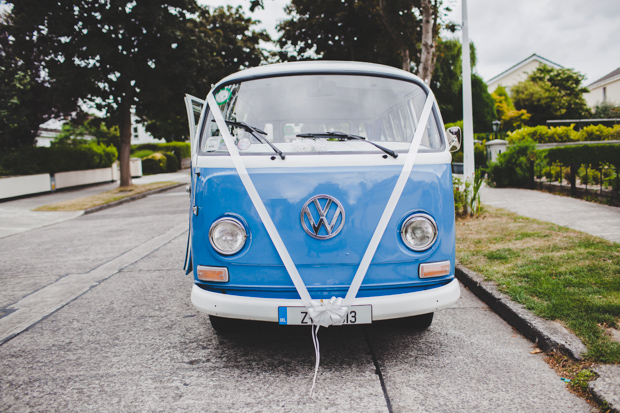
(254,131)
(345,137)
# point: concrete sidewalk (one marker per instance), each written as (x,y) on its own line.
(18,216)
(595,219)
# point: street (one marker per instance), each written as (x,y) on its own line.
(95,315)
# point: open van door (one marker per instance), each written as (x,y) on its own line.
(194,109)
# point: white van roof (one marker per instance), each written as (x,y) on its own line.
(322,66)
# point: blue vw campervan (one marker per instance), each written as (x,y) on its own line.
(321,193)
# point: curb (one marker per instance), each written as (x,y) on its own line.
(131,198)
(548,335)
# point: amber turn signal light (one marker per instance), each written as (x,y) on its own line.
(217,274)
(434,269)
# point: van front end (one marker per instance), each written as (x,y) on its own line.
(323,148)
(257,282)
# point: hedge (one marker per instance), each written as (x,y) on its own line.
(36,160)
(514,168)
(544,134)
(577,155)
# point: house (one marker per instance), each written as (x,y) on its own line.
(50,129)
(605,89)
(519,72)
(139,134)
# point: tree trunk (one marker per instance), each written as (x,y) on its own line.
(125,132)
(428,43)
(404,54)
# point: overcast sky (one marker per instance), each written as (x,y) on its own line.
(577,34)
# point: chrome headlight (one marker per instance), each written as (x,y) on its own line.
(227,236)
(419,232)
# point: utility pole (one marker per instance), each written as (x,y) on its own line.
(468,125)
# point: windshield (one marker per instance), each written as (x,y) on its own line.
(381,110)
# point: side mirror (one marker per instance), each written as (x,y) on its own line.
(454,138)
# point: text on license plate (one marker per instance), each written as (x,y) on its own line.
(357,314)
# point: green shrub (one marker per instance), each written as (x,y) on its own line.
(179,149)
(60,158)
(594,133)
(172,163)
(535,133)
(156,163)
(513,167)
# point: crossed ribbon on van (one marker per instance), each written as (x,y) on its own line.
(330,312)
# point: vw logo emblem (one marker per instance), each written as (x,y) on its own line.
(322,217)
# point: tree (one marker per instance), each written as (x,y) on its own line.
(448,87)
(27,98)
(550,93)
(123,55)
(379,31)
(83,125)
(342,30)
(507,114)
(219,42)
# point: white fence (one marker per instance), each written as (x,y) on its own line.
(12,187)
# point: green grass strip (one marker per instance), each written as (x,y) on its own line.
(555,272)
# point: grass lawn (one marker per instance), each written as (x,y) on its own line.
(103,198)
(555,272)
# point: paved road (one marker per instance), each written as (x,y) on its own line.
(596,219)
(127,338)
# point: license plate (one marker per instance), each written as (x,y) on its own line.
(357,314)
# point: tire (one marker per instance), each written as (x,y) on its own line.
(224,325)
(420,322)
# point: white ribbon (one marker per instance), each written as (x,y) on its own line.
(332,312)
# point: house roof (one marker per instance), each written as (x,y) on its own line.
(609,76)
(523,63)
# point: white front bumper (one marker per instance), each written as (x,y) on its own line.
(383,307)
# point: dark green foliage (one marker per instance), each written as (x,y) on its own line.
(447,84)
(549,94)
(156,163)
(27,99)
(513,167)
(593,155)
(35,160)
(151,166)
(172,163)
(219,42)
(606,110)
(446,81)
(342,30)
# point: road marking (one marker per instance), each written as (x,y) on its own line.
(38,305)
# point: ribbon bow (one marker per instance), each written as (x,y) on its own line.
(327,313)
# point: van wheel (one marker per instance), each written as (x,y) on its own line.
(223,325)
(420,322)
